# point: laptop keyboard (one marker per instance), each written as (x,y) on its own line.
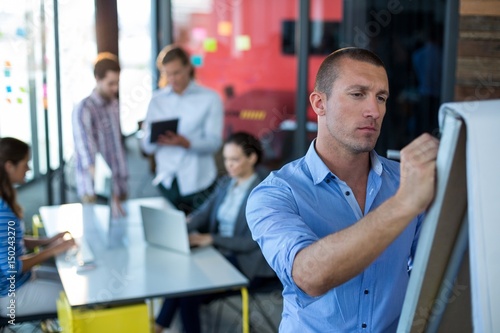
(82,255)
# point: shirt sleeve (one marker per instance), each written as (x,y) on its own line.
(11,248)
(85,145)
(211,141)
(274,220)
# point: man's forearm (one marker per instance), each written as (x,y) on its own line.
(341,256)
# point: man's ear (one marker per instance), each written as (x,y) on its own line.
(318,103)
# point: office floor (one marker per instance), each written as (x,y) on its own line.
(33,195)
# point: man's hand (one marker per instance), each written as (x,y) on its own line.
(172,139)
(200,239)
(418,173)
(117,209)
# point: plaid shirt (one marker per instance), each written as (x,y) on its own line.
(96,128)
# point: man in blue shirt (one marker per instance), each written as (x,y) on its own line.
(340,225)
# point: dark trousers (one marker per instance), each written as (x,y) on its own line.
(189,306)
(187,203)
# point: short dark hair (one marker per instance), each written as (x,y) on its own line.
(105,62)
(329,70)
(249,143)
(173,52)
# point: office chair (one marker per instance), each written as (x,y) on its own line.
(259,311)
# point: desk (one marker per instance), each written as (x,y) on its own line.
(127,269)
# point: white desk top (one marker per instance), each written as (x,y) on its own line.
(126,268)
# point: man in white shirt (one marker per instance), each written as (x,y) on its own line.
(185,164)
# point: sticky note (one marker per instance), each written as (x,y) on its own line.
(197,60)
(243,43)
(199,33)
(19,100)
(7,64)
(9,101)
(6,72)
(210,44)
(22,89)
(20,32)
(225,28)
(9,89)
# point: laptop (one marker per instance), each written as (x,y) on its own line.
(165,228)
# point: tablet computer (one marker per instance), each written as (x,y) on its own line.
(160,127)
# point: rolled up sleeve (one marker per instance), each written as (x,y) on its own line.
(277,227)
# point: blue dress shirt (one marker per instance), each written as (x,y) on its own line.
(304,202)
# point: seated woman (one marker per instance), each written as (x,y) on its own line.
(23,291)
(221,222)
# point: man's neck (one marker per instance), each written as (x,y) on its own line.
(348,166)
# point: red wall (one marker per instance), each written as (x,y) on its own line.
(264,66)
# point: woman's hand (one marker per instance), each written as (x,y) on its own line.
(61,235)
(61,245)
(173,139)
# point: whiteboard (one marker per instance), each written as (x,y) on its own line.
(467,198)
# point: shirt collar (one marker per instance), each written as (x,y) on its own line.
(98,99)
(245,184)
(191,85)
(319,170)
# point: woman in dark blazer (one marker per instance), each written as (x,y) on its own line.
(221,222)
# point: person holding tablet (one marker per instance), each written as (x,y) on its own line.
(185,164)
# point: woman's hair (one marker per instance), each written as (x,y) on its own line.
(170,53)
(12,150)
(248,143)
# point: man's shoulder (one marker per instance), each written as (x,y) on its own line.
(200,89)
(289,174)
(85,103)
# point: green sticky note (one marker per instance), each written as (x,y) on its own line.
(19,100)
(22,89)
(210,45)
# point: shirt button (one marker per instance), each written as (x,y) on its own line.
(347,193)
(328,181)
(363,325)
(366,291)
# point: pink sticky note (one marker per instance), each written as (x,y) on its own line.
(199,33)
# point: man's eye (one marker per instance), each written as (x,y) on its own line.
(382,99)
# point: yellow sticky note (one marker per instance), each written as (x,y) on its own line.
(225,28)
(210,44)
(243,43)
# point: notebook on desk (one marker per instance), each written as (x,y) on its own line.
(165,228)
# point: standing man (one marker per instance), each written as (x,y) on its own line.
(96,129)
(340,225)
(185,164)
